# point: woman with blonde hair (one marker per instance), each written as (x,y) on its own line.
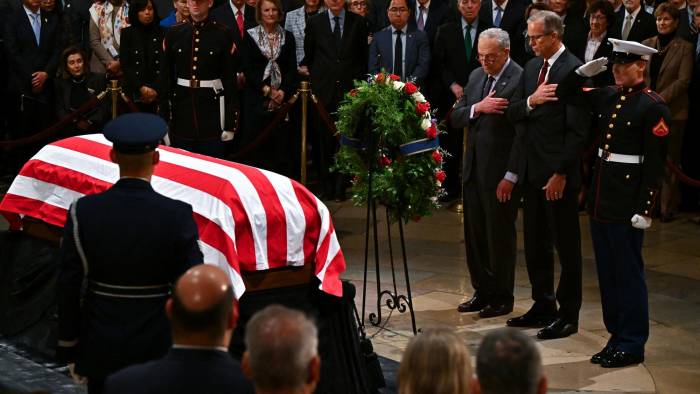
(436,362)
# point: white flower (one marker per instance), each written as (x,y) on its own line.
(398,85)
(418,97)
(426,123)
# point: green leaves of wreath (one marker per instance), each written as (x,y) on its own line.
(387,132)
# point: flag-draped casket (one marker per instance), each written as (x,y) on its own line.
(248,219)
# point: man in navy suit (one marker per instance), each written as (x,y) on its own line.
(31,41)
(203,314)
(400,44)
(129,244)
(633,23)
(508,15)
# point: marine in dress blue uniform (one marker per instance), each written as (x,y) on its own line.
(632,130)
(128,244)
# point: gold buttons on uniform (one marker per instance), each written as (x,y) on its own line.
(196,32)
(606,147)
(196,40)
(648,202)
(194,67)
(614,116)
(618,106)
(196,49)
(627,176)
(194,58)
(623,98)
(646,212)
(610,125)
(629,123)
(609,136)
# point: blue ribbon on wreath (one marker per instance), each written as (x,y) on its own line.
(419,146)
(353,143)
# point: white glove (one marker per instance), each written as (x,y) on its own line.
(227,136)
(641,222)
(594,67)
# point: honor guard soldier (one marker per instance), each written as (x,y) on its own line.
(199,70)
(129,244)
(632,127)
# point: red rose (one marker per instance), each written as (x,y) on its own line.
(353,92)
(410,88)
(379,77)
(394,77)
(437,157)
(440,176)
(384,161)
(355,179)
(422,108)
(432,132)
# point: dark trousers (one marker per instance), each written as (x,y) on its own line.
(549,225)
(490,239)
(623,290)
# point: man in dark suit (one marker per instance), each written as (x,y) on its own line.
(633,23)
(454,58)
(490,206)
(575,27)
(507,15)
(203,314)
(686,28)
(239,17)
(129,243)
(335,49)
(398,48)
(427,16)
(31,39)
(551,135)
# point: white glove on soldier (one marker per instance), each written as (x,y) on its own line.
(594,67)
(227,136)
(641,222)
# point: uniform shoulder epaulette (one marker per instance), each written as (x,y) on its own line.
(654,96)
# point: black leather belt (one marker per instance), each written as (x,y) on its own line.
(118,291)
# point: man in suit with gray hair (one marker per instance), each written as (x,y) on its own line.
(490,174)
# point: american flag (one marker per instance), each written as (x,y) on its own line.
(248,219)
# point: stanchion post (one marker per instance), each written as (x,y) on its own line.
(304,90)
(458,205)
(114,89)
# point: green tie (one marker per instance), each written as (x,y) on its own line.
(468,42)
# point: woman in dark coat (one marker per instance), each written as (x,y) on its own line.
(270,68)
(601,17)
(140,54)
(76,87)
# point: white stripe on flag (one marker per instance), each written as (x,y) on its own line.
(294,215)
(93,166)
(214,257)
(43,191)
(325,226)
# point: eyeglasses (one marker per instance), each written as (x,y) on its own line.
(537,37)
(396,10)
(488,58)
(358,4)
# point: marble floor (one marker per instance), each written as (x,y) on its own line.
(440,281)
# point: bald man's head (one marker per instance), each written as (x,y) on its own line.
(203,302)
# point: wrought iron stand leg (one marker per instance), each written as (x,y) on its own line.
(364,281)
(408,281)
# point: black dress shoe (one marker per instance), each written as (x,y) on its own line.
(603,354)
(496,310)
(531,319)
(475,304)
(559,328)
(621,359)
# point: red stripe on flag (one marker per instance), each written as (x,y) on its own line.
(313,220)
(64,177)
(50,214)
(274,215)
(88,147)
(331,280)
(214,236)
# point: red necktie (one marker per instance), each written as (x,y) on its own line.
(543,72)
(239,22)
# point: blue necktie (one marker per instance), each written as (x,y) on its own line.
(36,26)
(499,15)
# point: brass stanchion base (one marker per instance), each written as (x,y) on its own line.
(457,207)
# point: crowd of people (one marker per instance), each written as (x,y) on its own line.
(221,93)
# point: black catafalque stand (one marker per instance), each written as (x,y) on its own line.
(394,300)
